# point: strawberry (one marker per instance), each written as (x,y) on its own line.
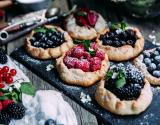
(94,46)
(70,62)
(5,103)
(95,63)
(83,65)
(92,18)
(78,52)
(100,54)
(82,21)
(1,107)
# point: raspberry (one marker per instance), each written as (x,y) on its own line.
(83,65)
(94,46)
(68,53)
(5,103)
(1,106)
(100,54)
(95,64)
(78,52)
(86,55)
(70,61)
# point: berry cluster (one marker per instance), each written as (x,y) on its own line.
(48,39)
(134,83)
(10,110)
(152,61)
(6,75)
(86,17)
(80,58)
(3,57)
(118,38)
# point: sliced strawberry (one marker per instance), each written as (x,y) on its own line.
(81,21)
(95,63)
(70,62)
(83,65)
(92,18)
(1,107)
(5,103)
(78,52)
(100,54)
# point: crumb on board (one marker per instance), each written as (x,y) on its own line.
(49,67)
(85,98)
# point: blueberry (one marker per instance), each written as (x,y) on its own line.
(155,53)
(157,59)
(33,39)
(156,73)
(110,35)
(146,54)
(38,35)
(130,33)
(158,49)
(158,67)
(116,43)
(152,67)
(123,42)
(147,61)
(50,122)
(123,36)
(107,42)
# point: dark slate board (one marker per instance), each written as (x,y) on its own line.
(150,117)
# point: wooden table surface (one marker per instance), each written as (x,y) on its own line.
(149,28)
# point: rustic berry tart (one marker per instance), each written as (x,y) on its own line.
(48,42)
(124,91)
(83,65)
(85,24)
(121,42)
(149,63)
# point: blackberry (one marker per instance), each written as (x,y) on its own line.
(133,75)
(4,118)
(3,56)
(16,110)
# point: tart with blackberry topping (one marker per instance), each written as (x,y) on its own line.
(48,42)
(83,65)
(124,91)
(85,24)
(149,63)
(121,42)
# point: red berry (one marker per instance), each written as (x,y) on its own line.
(70,62)
(95,64)
(83,65)
(1,75)
(86,55)
(2,85)
(94,46)
(1,107)
(1,93)
(5,69)
(100,54)
(82,21)
(9,80)
(13,72)
(5,103)
(78,52)
(1,79)
(92,18)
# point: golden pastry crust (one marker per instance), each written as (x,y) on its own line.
(123,107)
(138,62)
(82,32)
(125,52)
(79,77)
(48,53)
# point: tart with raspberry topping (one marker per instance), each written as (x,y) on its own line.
(121,42)
(85,24)
(149,63)
(83,65)
(124,91)
(48,42)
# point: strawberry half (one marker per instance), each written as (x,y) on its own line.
(92,18)
(82,21)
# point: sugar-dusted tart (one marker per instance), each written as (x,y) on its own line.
(83,65)
(124,91)
(149,63)
(48,42)
(85,24)
(121,44)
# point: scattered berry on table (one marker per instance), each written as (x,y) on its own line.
(13,72)
(16,110)
(5,103)
(9,79)
(4,118)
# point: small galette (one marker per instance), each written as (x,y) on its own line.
(85,24)
(121,42)
(124,90)
(83,65)
(48,42)
(149,63)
